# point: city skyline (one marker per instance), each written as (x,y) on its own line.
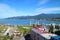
(10,8)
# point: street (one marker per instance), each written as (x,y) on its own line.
(19,38)
(10,30)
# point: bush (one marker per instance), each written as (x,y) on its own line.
(57,32)
(5,38)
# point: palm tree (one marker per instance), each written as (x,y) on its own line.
(51,28)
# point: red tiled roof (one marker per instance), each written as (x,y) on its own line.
(40,29)
(43,32)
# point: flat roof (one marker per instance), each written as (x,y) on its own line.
(47,36)
(43,33)
(56,37)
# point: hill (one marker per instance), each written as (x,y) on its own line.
(40,16)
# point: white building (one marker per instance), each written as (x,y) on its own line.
(40,33)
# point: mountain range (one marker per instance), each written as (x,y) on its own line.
(40,16)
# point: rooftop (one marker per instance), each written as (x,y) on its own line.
(43,32)
(56,37)
(48,36)
(40,29)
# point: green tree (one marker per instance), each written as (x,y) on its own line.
(57,32)
(33,25)
(51,28)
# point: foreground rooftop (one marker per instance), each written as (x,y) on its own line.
(41,30)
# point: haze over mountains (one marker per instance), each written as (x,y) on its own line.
(40,16)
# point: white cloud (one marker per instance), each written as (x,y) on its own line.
(47,10)
(7,11)
(41,2)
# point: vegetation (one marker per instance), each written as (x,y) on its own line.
(57,32)
(50,28)
(2,28)
(38,17)
(3,37)
(25,30)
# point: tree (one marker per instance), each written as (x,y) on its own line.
(33,25)
(57,32)
(51,28)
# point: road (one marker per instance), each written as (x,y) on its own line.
(7,30)
(19,38)
(10,30)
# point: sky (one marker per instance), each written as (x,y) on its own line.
(11,8)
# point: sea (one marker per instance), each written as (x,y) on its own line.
(27,22)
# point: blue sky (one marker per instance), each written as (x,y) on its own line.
(10,8)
